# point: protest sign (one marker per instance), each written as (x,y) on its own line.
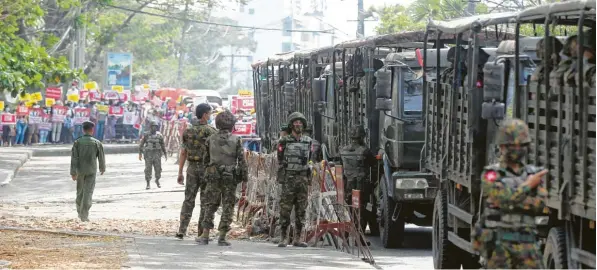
(81,115)
(116,111)
(58,113)
(22,110)
(130,118)
(73,98)
(35,115)
(50,102)
(54,93)
(8,119)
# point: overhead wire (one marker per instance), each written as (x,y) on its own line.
(217,24)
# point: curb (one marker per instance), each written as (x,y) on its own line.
(67,232)
(14,164)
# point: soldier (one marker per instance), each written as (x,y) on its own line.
(86,153)
(357,161)
(152,145)
(294,152)
(447,75)
(505,234)
(552,61)
(227,168)
(193,147)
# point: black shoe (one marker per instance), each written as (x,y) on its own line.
(300,244)
(202,241)
(157,182)
(223,243)
(147,187)
(179,236)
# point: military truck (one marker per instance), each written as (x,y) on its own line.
(462,122)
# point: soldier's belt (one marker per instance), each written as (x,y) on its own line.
(515,237)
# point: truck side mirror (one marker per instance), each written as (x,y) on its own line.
(383,90)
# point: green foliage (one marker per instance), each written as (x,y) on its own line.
(395,18)
(26,64)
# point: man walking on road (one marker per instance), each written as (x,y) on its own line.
(152,146)
(86,153)
(193,149)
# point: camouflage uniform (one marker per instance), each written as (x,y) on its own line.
(152,147)
(225,170)
(293,158)
(559,77)
(85,155)
(193,141)
(505,234)
(556,47)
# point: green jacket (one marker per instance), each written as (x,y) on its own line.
(84,156)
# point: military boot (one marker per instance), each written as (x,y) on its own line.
(157,182)
(204,238)
(283,239)
(147,187)
(296,241)
(222,240)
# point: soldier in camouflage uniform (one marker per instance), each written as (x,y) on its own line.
(152,146)
(194,139)
(86,153)
(294,151)
(552,61)
(505,234)
(226,168)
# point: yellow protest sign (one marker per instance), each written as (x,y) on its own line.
(102,108)
(50,102)
(29,104)
(179,99)
(244,93)
(73,97)
(146,87)
(1,105)
(118,88)
(90,86)
(36,96)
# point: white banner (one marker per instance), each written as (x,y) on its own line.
(130,118)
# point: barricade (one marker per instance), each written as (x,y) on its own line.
(328,217)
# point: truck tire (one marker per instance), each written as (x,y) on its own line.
(555,252)
(391,232)
(445,254)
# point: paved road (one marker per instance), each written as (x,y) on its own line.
(44,188)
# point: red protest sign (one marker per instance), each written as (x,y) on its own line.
(81,115)
(83,94)
(116,110)
(8,119)
(59,113)
(242,129)
(54,92)
(140,96)
(95,96)
(245,103)
(22,110)
(35,115)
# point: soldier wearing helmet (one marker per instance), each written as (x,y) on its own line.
(294,153)
(152,146)
(357,163)
(226,168)
(551,61)
(194,147)
(505,233)
(448,74)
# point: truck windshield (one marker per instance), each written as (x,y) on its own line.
(413,93)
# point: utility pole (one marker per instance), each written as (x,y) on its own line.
(182,45)
(231,67)
(361,20)
(471,7)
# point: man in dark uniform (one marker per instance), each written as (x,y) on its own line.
(357,162)
(85,155)
(193,149)
(152,146)
(294,151)
(505,235)
(226,168)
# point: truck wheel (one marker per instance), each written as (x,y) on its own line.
(391,232)
(555,253)
(445,254)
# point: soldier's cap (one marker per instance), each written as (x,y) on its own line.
(88,125)
(154,123)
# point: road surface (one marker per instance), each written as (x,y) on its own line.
(43,188)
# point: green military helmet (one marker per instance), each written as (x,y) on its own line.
(357,132)
(296,116)
(513,131)
(556,46)
(154,123)
(225,120)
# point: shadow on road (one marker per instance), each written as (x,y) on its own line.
(415,251)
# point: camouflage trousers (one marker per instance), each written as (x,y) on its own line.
(216,191)
(194,184)
(509,255)
(295,192)
(85,187)
(153,160)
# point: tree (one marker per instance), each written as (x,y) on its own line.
(24,63)
(394,18)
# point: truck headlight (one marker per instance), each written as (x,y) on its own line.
(407,183)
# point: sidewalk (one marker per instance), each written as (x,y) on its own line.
(168,253)
(13,158)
